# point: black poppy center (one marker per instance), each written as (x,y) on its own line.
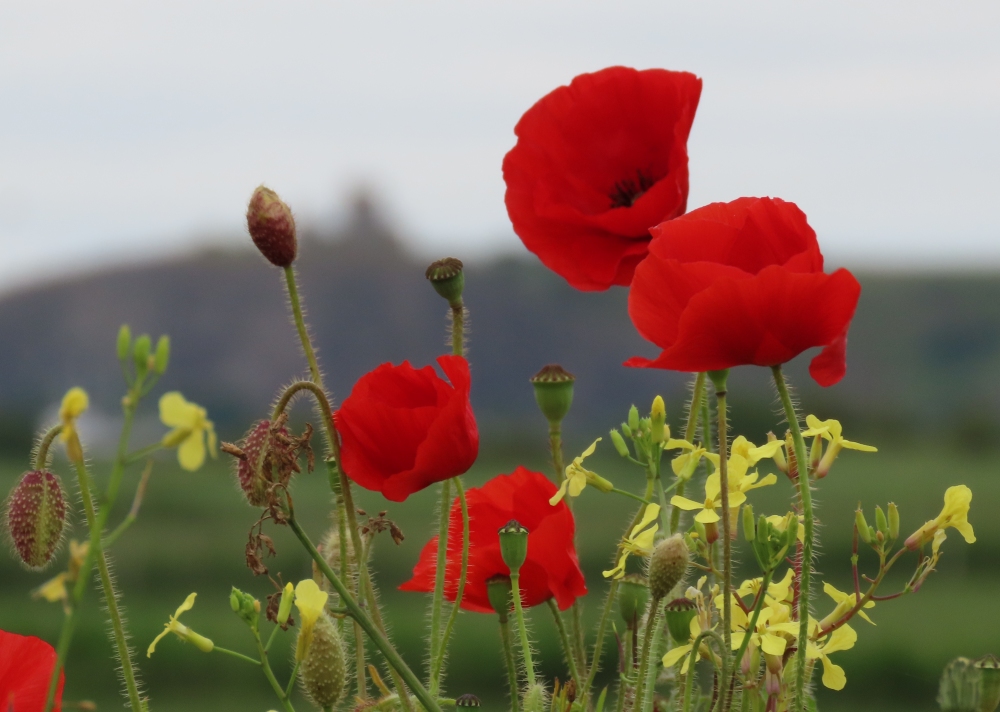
(629,190)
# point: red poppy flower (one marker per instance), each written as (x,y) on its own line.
(596,163)
(551,568)
(741,283)
(26,665)
(403,429)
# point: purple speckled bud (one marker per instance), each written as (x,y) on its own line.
(272,227)
(36,514)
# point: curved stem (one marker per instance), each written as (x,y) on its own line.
(42,454)
(460,592)
(322,402)
(269,674)
(508,654)
(564,640)
(692,659)
(529,665)
(647,638)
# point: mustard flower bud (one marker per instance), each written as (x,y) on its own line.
(285,606)
(779,455)
(667,566)
(633,419)
(881,523)
(498,589)
(36,514)
(626,430)
(513,545)
(448,279)
(124,345)
(679,613)
(553,392)
(657,419)
(323,670)
(236,600)
(140,353)
(619,442)
(749,529)
(272,227)
(633,595)
(989,669)
(161,358)
(893,522)
(862,524)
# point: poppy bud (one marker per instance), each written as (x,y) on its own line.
(124,345)
(679,613)
(960,687)
(893,522)
(323,670)
(36,514)
(448,280)
(285,607)
(619,442)
(513,545)
(534,699)
(667,566)
(140,353)
(498,588)
(633,594)
(553,392)
(272,227)
(162,355)
(989,669)
(633,419)
(657,419)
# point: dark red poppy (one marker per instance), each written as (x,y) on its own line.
(595,165)
(741,283)
(551,569)
(403,429)
(26,665)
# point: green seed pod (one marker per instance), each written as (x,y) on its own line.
(498,588)
(140,353)
(285,606)
(553,392)
(960,687)
(633,419)
(792,531)
(535,699)
(893,522)
(162,355)
(513,544)
(989,670)
(679,613)
(862,524)
(881,523)
(36,515)
(749,530)
(272,227)
(448,279)
(633,595)
(667,566)
(323,670)
(719,379)
(124,345)
(619,442)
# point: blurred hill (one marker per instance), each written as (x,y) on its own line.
(924,349)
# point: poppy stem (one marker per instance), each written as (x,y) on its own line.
(694,411)
(719,378)
(805,591)
(438,667)
(693,658)
(603,626)
(42,452)
(647,640)
(508,654)
(529,665)
(437,601)
(568,652)
(458,328)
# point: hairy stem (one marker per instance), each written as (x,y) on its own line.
(727,541)
(567,647)
(529,665)
(437,601)
(508,654)
(269,674)
(458,328)
(42,454)
(647,639)
(438,667)
(694,411)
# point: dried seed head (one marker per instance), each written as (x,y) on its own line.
(323,670)
(272,227)
(250,469)
(667,566)
(36,514)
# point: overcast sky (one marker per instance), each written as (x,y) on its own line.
(130,130)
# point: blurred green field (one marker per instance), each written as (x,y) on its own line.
(193,527)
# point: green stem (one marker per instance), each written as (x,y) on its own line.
(358,614)
(233,653)
(651,675)
(437,601)
(647,639)
(694,411)
(118,627)
(508,654)
(630,495)
(133,512)
(727,541)
(291,680)
(269,674)
(42,454)
(564,639)
(458,328)
(143,453)
(529,665)
(805,585)
(692,659)
(758,606)
(602,628)
(460,592)
(300,325)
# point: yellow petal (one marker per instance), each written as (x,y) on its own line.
(850,445)
(577,482)
(590,450)
(191,453)
(769,480)
(833,675)
(833,592)
(674,444)
(618,571)
(965,529)
(157,639)
(764,451)
(176,412)
(772,644)
(53,590)
(843,638)
(735,500)
(648,517)
(310,601)
(686,504)
(707,516)
(674,656)
(186,606)
(560,493)
(73,404)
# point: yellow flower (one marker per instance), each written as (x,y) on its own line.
(577,477)
(831,430)
(773,631)
(182,631)
(311,602)
(686,463)
(74,403)
(639,541)
(845,602)
(781,522)
(191,429)
(843,638)
(954,514)
(739,484)
(778,590)
(753,454)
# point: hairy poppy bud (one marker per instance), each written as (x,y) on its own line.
(124,344)
(448,279)
(553,391)
(513,545)
(323,670)
(633,594)
(254,471)
(272,227)
(667,566)
(619,442)
(679,613)
(36,514)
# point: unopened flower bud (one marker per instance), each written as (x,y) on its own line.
(140,353)
(862,524)
(323,670)
(124,345)
(162,355)
(498,589)
(448,279)
(513,545)
(667,566)
(633,594)
(36,514)
(626,430)
(679,614)
(553,392)
(285,606)
(633,419)
(619,442)
(893,521)
(272,227)
(779,455)
(881,523)
(657,419)
(235,599)
(989,669)
(749,528)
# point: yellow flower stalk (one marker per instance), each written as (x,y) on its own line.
(182,631)
(639,541)
(831,431)
(311,602)
(74,403)
(578,477)
(954,514)
(191,430)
